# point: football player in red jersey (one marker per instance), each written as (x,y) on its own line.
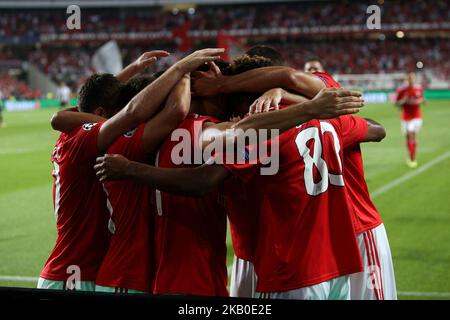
(372,237)
(80,203)
(129,261)
(409,98)
(377,281)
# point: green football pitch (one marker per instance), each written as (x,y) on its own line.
(414,203)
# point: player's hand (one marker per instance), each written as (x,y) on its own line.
(270,99)
(111,167)
(196,59)
(332,102)
(149,58)
(207,83)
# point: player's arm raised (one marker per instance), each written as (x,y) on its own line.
(328,103)
(181,181)
(138,66)
(175,110)
(145,104)
(259,80)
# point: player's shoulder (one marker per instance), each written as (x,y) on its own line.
(88,126)
(82,132)
(327,79)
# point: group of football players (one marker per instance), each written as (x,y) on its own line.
(132,218)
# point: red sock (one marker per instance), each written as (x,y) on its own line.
(412,149)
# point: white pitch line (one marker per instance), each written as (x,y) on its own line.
(410,175)
(18,278)
(424,294)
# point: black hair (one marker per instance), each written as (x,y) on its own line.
(240,65)
(99,90)
(313,58)
(130,89)
(267,52)
(245,63)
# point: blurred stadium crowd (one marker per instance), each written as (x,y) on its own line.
(24,36)
(297,14)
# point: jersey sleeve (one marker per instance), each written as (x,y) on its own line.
(400,94)
(327,80)
(353,129)
(84,141)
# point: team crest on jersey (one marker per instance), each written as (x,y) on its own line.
(56,154)
(246,154)
(88,126)
(130,133)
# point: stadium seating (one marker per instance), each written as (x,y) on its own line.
(70,62)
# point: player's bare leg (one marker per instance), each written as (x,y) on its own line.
(411,144)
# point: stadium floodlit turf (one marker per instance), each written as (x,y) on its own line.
(415,208)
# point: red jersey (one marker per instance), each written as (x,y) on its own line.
(243,215)
(327,79)
(410,109)
(129,260)
(190,232)
(366,215)
(243,205)
(80,206)
(307,217)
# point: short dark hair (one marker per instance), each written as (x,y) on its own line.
(241,65)
(267,52)
(99,90)
(245,63)
(313,58)
(130,89)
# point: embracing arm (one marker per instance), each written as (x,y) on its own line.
(329,103)
(68,120)
(260,80)
(272,98)
(181,181)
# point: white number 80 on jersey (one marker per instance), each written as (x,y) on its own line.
(317,160)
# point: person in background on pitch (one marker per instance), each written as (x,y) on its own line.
(409,98)
(63,94)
